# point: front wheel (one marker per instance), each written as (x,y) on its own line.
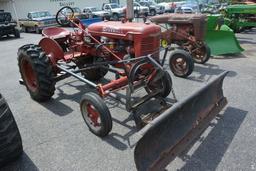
(136,14)
(181,63)
(96,114)
(38,30)
(201,55)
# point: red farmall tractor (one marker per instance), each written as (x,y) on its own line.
(130,51)
(187,31)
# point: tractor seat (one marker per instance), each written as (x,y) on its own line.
(55,32)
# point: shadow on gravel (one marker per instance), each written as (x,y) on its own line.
(205,72)
(24,163)
(230,56)
(116,139)
(56,106)
(10,38)
(213,147)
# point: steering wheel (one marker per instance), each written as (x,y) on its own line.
(64,15)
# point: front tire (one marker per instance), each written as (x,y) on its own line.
(152,12)
(37,72)
(136,14)
(181,63)
(10,139)
(38,31)
(17,33)
(115,17)
(96,114)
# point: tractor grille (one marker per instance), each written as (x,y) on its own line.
(150,45)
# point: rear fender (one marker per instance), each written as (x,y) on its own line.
(52,49)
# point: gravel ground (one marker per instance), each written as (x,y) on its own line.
(55,136)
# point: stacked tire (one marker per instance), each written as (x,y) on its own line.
(10,139)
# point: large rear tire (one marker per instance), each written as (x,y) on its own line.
(37,72)
(10,139)
(96,114)
(201,55)
(181,63)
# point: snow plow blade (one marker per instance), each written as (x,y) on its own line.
(170,133)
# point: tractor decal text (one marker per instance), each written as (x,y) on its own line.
(112,30)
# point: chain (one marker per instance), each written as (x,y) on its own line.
(174,95)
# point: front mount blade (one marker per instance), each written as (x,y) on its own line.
(169,134)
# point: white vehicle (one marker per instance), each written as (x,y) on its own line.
(140,10)
(114,9)
(154,8)
(95,12)
(171,6)
(188,9)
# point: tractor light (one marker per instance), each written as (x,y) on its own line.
(164,43)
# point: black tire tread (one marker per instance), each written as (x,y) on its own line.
(167,84)
(43,69)
(10,139)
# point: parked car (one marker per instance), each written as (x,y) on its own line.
(188,8)
(77,13)
(154,8)
(184,10)
(8,25)
(37,21)
(95,12)
(171,6)
(116,12)
(72,12)
(140,10)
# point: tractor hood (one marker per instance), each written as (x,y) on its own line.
(122,29)
(177,18)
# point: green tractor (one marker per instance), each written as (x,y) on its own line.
(240,17)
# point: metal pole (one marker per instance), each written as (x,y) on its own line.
(129,10)
(15,12)
(77,76)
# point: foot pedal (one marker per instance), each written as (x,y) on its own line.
(21,81)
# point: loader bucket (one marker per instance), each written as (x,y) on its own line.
(220,38)
(222,42)
(174,130)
